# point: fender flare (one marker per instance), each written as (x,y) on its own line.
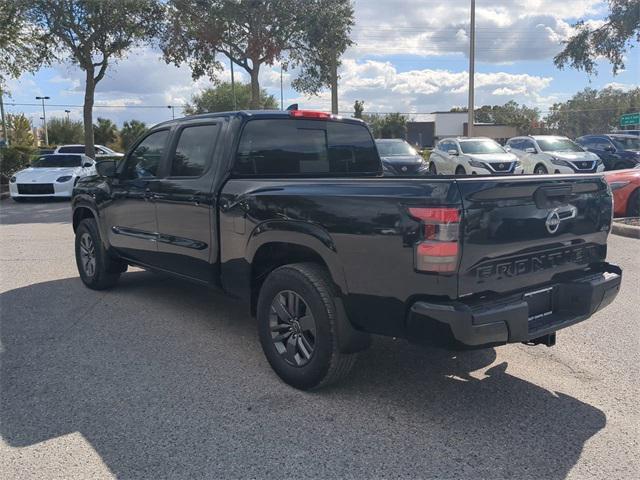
(303,234)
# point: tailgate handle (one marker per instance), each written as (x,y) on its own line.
(552,194)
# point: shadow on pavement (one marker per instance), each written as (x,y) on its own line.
(167,379)
(33,210)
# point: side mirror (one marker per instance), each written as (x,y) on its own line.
(610,149)
(530,150)
(452,152)
(106,168)
(507,148)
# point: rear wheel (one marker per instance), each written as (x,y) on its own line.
(540,170)
(297,325)
(460,170)
(97,269)
(17,199)
(633,204)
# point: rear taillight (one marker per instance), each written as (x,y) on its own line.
(438,250)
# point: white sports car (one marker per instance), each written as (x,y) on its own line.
(51,176)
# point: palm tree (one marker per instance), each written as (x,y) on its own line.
(130,132)
(105,131)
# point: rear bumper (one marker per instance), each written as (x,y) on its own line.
(507,318)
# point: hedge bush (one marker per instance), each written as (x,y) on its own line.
(13,159)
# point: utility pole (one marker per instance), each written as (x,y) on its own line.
(472,68)
(4,122)
(44,120)
(281,90)
(334,84)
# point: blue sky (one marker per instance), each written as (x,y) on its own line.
(410,56)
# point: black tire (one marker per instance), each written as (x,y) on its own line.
(105,270)
(460,170)
(633,204)
(17,199)
(432,169)
(325,364)
(622,165)
(540,170)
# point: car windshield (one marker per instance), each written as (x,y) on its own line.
(480,146)
(627,143)
(558,145)
(57,161)
(391,149)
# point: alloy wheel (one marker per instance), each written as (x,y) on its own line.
(87,254)
(293,328)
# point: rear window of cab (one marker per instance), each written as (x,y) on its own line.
(298,147)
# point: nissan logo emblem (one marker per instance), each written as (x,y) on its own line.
(501,165)
(553,222)
(404,169)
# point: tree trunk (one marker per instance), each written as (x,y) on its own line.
(255,103)
(89,92)
(334,85)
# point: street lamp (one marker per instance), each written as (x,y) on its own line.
(44,120)
(67,112)
(173,114)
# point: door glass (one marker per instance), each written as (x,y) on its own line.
(193,151)
(145,159)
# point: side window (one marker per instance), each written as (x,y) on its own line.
(515,143)
(76,149)
(144,160)
(194,150)
(290,147)
(526,144)
(600,144)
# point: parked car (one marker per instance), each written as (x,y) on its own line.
(289,213)
(625,185)
(50,176)
(400,158)
(472,156)
(101,150)
(616,151)
(541,154)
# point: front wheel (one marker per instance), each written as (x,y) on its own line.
(633,204)
(540,170)
(97,269)
(460,170)
(297,325)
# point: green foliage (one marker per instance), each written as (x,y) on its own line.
(220,99)
(525,119)
(23,50)
(92,34)
(253,33)
(62,131)
(358,108)
(592,111)
(325,27)
(105,132)
(611,40)
(393,125)
(130,132)
(20,132)
(13,159)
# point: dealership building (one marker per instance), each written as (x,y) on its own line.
(424,130)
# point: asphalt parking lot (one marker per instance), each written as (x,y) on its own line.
(159,378)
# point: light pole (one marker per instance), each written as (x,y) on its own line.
(472,67)
(173,113)
(281,90)
(44,120)
(67,112)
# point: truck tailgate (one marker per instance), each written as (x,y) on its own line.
(522,231)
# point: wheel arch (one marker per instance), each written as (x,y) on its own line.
(277,243)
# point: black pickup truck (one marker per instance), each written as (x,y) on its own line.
(289,212)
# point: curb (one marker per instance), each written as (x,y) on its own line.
(625,230)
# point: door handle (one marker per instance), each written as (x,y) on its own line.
(196,199)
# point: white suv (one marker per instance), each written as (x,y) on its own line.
(101,150)
(542,154)
(472,156)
